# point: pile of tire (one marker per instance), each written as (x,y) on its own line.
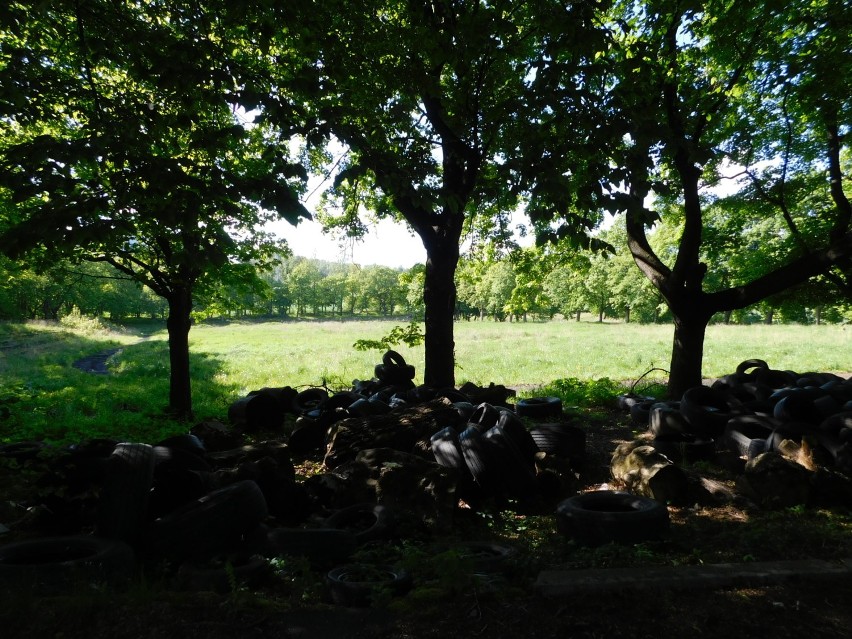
(751,411)
(210,515)
(495,453)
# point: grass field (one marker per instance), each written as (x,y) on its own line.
(43,396)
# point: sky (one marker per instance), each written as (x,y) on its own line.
(388,243)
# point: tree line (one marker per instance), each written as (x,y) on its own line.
(515,284)
(160,137)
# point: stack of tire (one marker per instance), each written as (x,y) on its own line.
(751,411)
(495,453)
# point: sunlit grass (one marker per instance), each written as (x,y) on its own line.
(47,398)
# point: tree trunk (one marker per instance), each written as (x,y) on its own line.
(627,315)
(685,370)
(578,316)
(178,324)
(439,296)
(769,316)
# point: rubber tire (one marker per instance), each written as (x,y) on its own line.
(518,473)
(208,525)
(750,366)
(605,516)
(347,588)
(560,440)
(683,448)
(539,407)
(57,565)
(482,460)
(123,503)
(707,411)
(484,417)
(665,419)
(367,521)
(447,450)
(309,400)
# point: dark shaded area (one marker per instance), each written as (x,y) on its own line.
(96,363)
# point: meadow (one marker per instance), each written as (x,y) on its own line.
(42,396)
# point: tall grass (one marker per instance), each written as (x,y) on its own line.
(42,396)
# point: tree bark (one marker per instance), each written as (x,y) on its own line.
(685,370)
(178,324)
(439,297)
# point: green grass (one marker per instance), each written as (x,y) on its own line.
(43,397)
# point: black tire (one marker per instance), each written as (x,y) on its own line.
(56,565)
(123,504)
(539,407)
(309,400)
(833,424)
(514,428)
(366,521)
(310,436)
(254,413)
(360,584)
(186,442)
(392,358)
(683,448)
(640,413)
(743,430)
(208,525)
(626,401)
(606,516)
(750,367)
(518,473)
(707,411)
(774,379)
(482,461)
(452,394)
(322,547)
(447,450)
(560,440)
(665,419)
(484,417)
(797,406)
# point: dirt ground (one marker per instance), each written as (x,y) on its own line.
(508,606)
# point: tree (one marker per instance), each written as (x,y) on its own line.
(120,143)
(431,102)
(696,85)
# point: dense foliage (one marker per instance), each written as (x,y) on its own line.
(160,137)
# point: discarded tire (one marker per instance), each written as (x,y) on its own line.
(209,525)
(447,450)
(55,565)
(482,460)
(606,516)
(539,407)
(123,505)
(367,521)
(360,584)
(684,448)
